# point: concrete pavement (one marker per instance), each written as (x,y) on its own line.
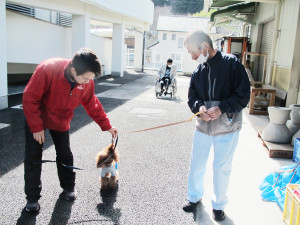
(153,165)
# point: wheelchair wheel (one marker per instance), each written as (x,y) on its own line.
(174,88)
(173,93)
(157,88)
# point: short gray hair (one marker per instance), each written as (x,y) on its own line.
(195,39)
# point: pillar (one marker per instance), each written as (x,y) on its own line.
(3,58)
(80,32)
(118,50)
(294,84)
(138,51)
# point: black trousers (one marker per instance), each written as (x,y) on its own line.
(32,167)
(166,82)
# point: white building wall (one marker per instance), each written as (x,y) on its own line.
(38,42)
(288,28)
(3,64)
(130,12)
(169,45)
(266,13)
(138,51)
(188,65)
(30,40)
(102,47)
(80,32)
(118,50)
(286,59)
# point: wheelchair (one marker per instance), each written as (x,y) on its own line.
(172,89)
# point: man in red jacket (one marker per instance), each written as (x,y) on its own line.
(55,89)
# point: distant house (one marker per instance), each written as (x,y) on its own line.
(171,32)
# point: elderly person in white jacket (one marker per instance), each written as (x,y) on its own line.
(166,74)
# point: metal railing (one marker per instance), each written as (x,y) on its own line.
(153,59)
(63,19)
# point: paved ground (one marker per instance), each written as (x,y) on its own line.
(153,165)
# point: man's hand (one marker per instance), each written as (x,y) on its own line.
(203,113)
(214,112)
(39,137)
(113,132)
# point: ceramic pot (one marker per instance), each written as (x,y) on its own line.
(296,135)
(279,115)
(294,123)
(295,113)
(277,131)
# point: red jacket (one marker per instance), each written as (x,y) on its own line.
(48,101)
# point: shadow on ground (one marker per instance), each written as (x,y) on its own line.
(12,140)
(107,209)
(61,205)
(201,217)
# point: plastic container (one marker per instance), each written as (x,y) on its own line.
(296,153)
(291,211)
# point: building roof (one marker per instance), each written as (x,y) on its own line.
(181,23)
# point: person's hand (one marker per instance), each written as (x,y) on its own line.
(39,137)
(113,132)
(203,113)
(214,112)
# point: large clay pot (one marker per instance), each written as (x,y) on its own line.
(296,135)
(276,131)
(279,115)
(294,123)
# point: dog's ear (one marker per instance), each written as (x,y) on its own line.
(98,159)
(113,152)
(101,157)
(116,155)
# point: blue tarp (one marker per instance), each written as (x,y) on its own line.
(277,193)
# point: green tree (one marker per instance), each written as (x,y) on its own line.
(161,2)
(181,7)
(204,14)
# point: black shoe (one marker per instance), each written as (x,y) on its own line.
(70,195)
(218,215)
(32,206)
(190,206)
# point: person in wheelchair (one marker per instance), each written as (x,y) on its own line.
(166,73)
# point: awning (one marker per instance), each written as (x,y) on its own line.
(237,12)
(222,3)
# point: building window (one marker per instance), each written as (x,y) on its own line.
(178,57)
(173,36)
(180,42)
(164,36)
(173,56)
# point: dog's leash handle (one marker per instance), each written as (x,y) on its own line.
(114,141)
